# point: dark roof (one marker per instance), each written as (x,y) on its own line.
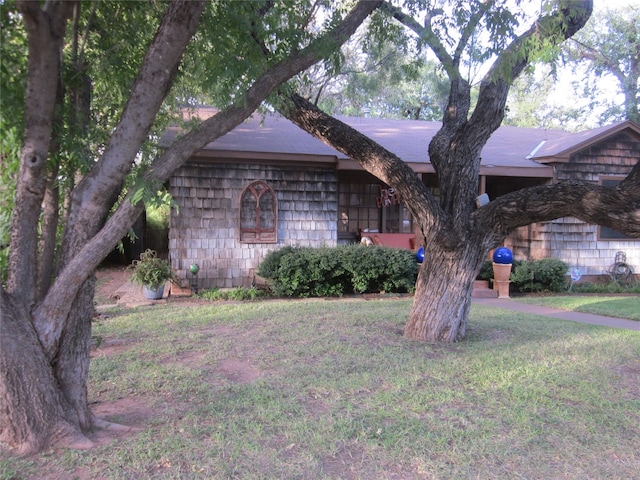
(272,136)
(561,148)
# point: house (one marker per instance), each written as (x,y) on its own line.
(267,184)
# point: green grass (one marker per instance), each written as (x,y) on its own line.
(612,306)
(330,389)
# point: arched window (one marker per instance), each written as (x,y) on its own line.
(258,214)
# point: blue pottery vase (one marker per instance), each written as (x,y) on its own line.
(420,255)
(503,256)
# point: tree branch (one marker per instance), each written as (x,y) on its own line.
(425,33)
(558,26)
(614,207)
(93,197)
(45,31)
(374,158)
(585,52)
(469,28)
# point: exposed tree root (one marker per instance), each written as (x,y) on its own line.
(77,442)
(115,427)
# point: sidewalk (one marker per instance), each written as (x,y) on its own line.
(561,314)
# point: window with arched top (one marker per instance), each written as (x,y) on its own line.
(258,214)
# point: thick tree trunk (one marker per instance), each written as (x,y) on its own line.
(443,293)
(457,235)
(71,366)
(33,410)
(51,202)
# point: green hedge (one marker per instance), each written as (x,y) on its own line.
(334,271)
(546,275)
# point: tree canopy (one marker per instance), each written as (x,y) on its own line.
(381,79)
(604,53)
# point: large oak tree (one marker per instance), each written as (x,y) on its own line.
(457,235)
(46,331)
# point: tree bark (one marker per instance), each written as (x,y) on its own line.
(71,365)
(50,217)
(59,411)
(46,32)
(70,355)
(33,410)
(51,205)
(443,294)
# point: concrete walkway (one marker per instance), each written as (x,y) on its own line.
(561,314)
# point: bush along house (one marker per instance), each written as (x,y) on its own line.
(268,184)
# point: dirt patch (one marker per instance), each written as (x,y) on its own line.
(133,411)
(188,359)
(108,348)
(108,281)
(130,411)
(629,380)
(346,463)
(237,370)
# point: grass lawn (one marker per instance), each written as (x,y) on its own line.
(330,389)
(627,306)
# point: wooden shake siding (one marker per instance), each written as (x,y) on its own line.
(570,239)
(205,229)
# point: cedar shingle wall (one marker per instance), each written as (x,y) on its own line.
(570,239)
(206,228)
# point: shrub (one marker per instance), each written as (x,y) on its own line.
(380,269)
(271,263)
(486,271)
(304,272)
(237,294)
(334,271)
(546,275)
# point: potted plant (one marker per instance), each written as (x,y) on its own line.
(152,273)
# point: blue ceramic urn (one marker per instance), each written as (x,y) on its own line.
(503,255)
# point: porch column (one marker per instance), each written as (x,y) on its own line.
(482,187)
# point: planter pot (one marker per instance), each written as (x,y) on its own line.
(501,273)
(153,292)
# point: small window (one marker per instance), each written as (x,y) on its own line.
(258,214)
(606,233)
